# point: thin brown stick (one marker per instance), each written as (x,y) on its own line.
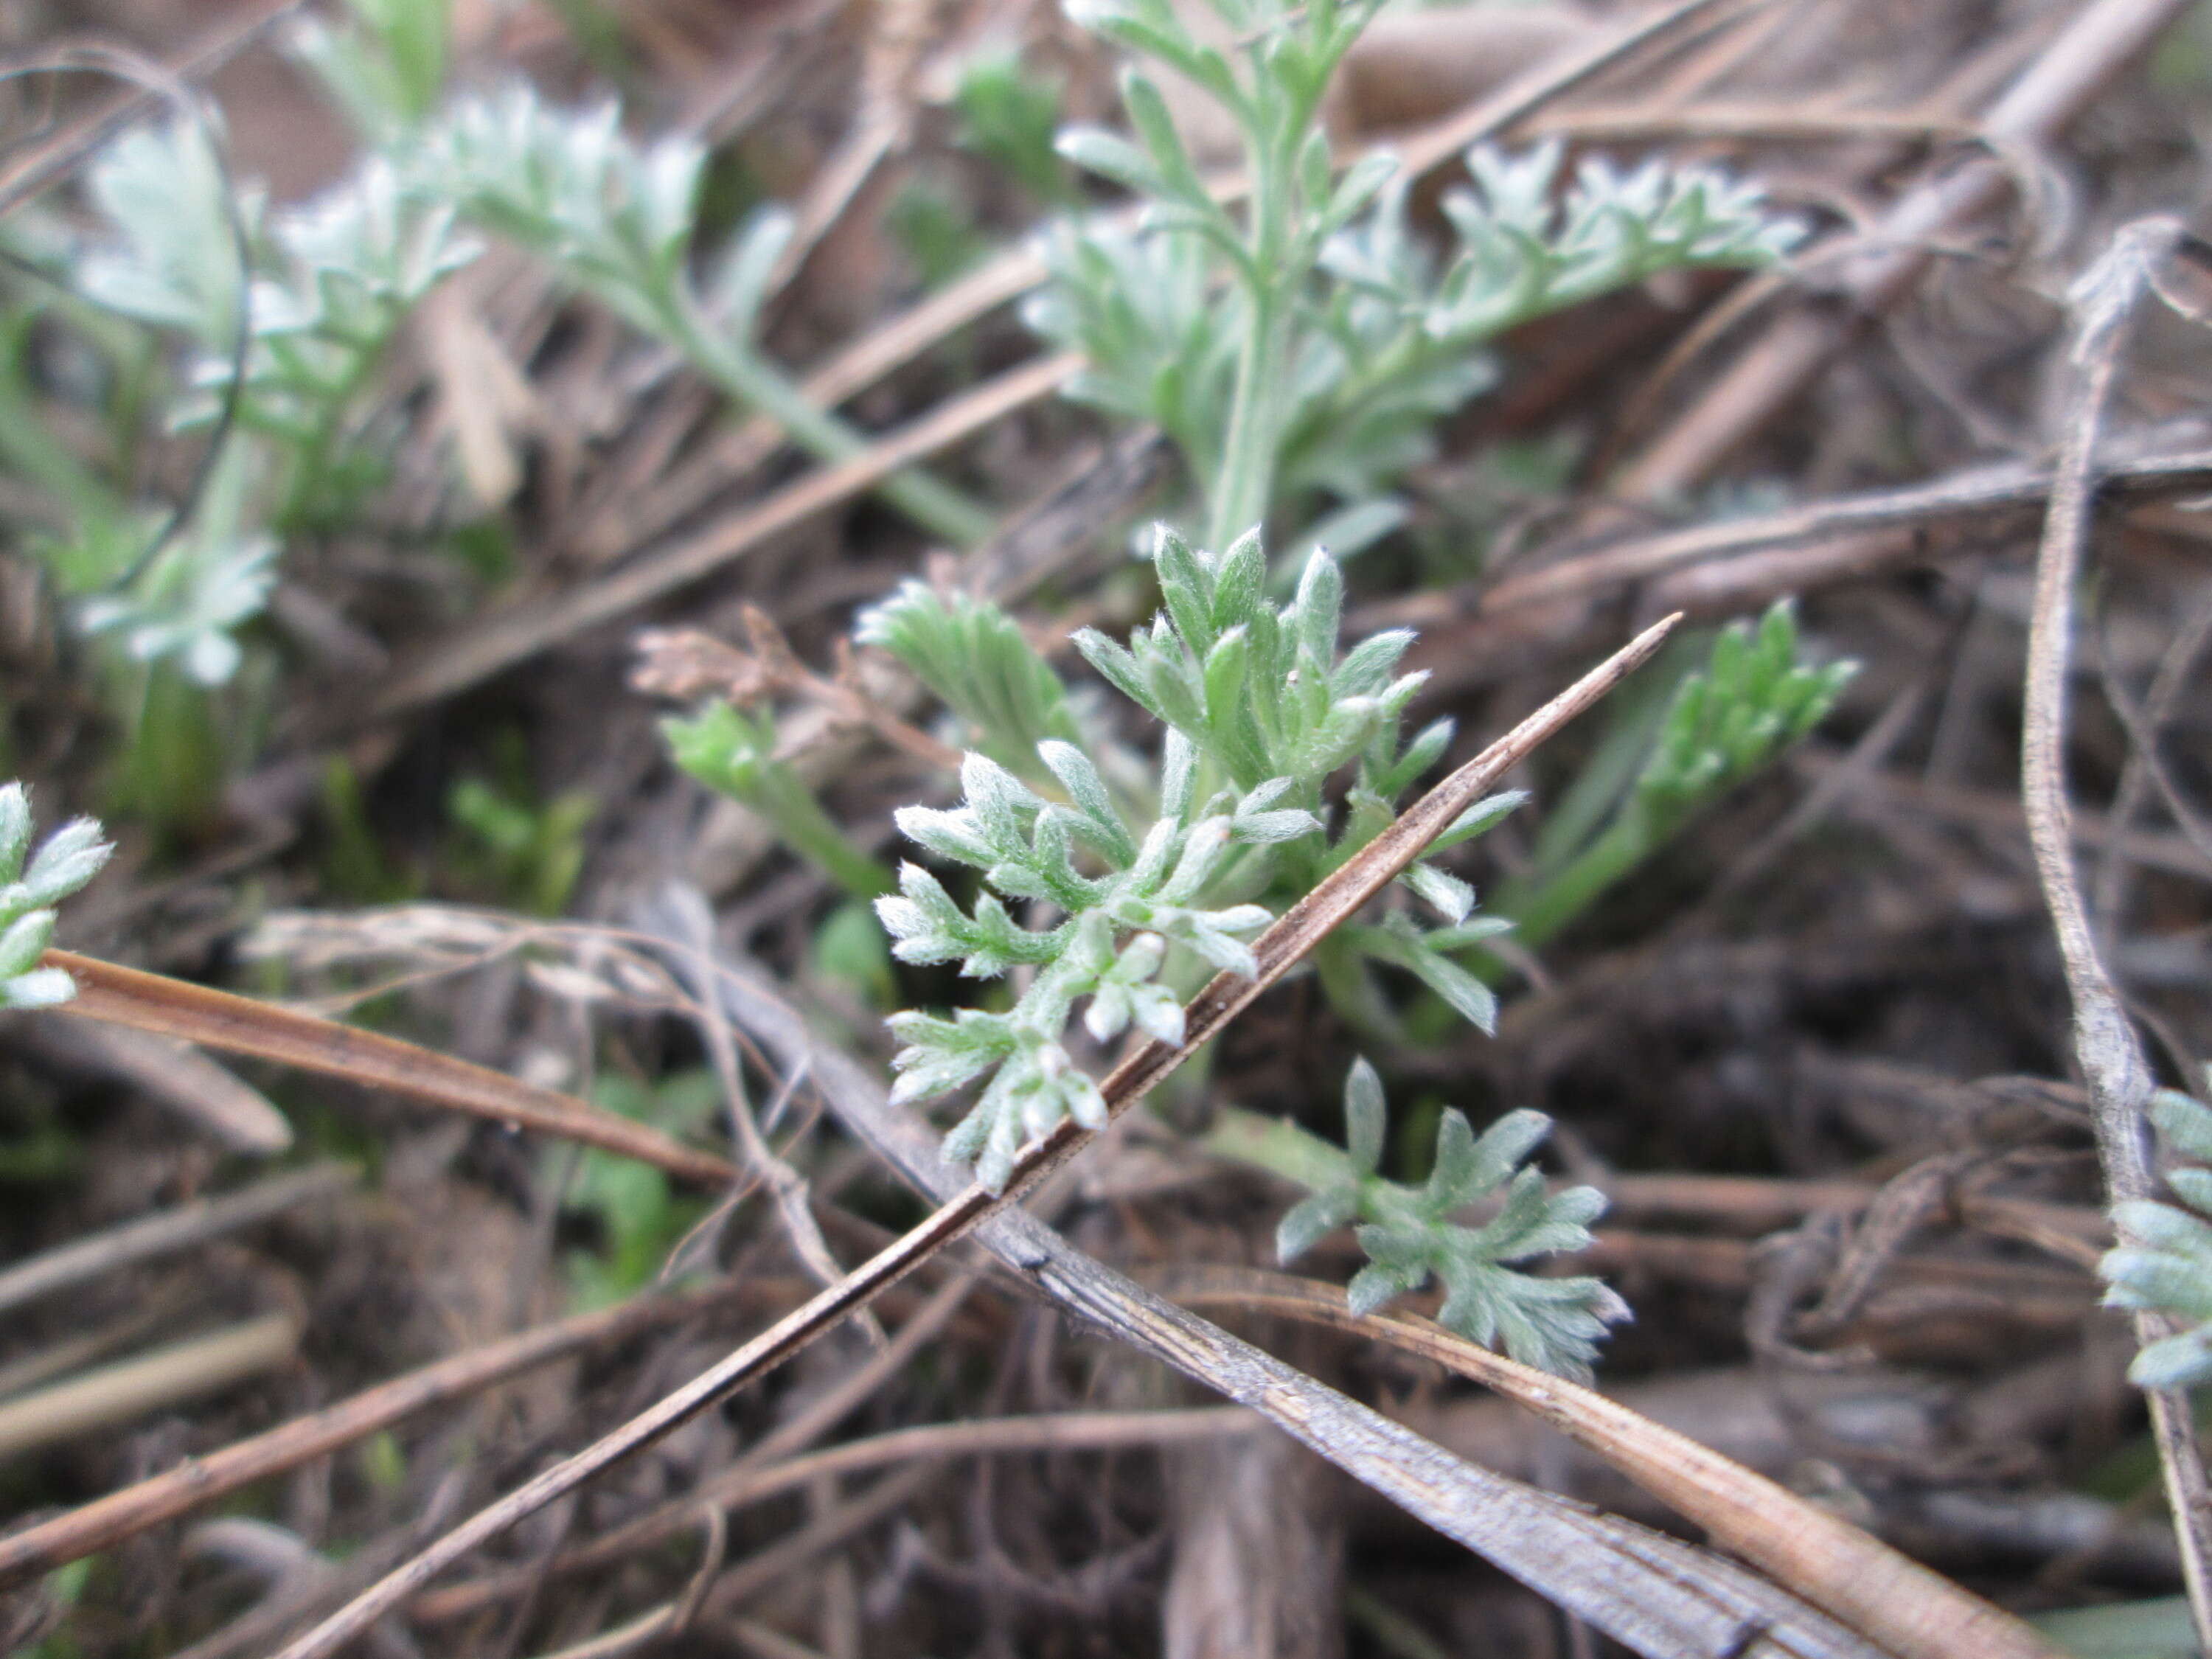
(200,1481)
(2110,1055)
(826,1531)
(1914,1613)
(1990,492)
(169,1232)
(1275,952)
(930,1442)
(219,1019)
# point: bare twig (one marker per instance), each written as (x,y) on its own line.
(1276,951)
(106,1522)
(1914,1613)
(2112,1058)
(170,1232)
(218,1019)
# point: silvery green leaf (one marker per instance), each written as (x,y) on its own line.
(2181,1361)
(43,988)
(1202,850)
(1088,790)
(1366,670)
(1380,1282)
(1484,816)
(1231,956)
(71,856)
(14,829)
(1156,128)
(1306,1223)
(950,834)
(737,292)
(1319,607)
(1364,1117)
(1357,190)
(27,935)
(1452,897)
(1157,1014)
(1115,663)
(2183,1123)
(1263,829)
(1109,1012)
(1095,150)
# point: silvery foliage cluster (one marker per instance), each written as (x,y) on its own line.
(973,656)
(1754,697)
(614,216)
(1386,336)
(70,857)
(1261,707)
(1408,1233)
(1723,723)
(617,219)
(323,292)
(2164,1261)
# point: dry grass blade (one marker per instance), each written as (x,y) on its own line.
(194,1485)
(1300,929)
(1916,1613)
(132,1387)
(169,1232)
(2111,1056)
(1983,491)
(218,1019)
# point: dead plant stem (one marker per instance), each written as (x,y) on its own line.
(2110,1055)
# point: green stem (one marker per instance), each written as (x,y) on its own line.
(1542,914)
(780,796)
(1278,1146)
(1245,487)
(751,380)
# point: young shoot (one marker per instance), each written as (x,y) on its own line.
(618,219)
(1261,707)
(1728,720)
(1409,1234)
